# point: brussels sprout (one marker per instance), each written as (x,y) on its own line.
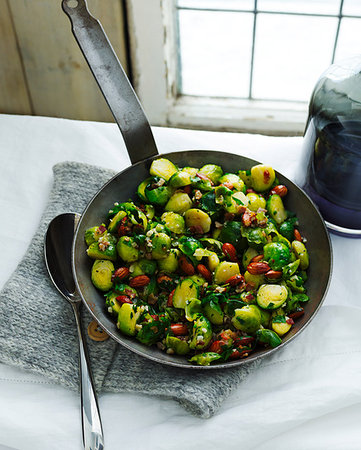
(277,255)
(162,168)
(199,219)
(257,280)
(149,211)
(180,179)
(185,290)
(115,221)
(202,333)
(157,195)
(169,263)
(101,274)
(201,184)
(248,255)
(213,311)
(245,176)
(268,337)
(191,170)
(224,271)
(94,233)
(141,188)
(262,177)
(213,261)
(180,202)
(271,296)
(301,253)
(287,228)
(161,243)
(112,303)
(179,346)
(143,267)
(231,232)
(290,269)
(174,222)
(212,171)
(280,324)
(127,318)
(192,308)
(255,201)
(247,319)
(127,249)
(204,359)
(276,209)
(229,200)
(234,180)
(295,283)
(103,249)
(265,317)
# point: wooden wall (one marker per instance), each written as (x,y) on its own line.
(42,70)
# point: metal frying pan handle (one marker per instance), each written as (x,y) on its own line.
(112,80)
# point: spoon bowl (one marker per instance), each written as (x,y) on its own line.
(58,254)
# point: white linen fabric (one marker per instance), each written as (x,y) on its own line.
(306,396)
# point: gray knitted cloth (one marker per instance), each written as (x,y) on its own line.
(38,332)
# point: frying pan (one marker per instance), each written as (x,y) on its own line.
(142,150)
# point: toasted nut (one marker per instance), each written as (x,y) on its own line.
(120,273)
(202,270)
(257,258)
(179,329)
(186,266)
(123,299)
(139,281)
(229,251)
(296,314)
(297,235)
(170,298)
(280,190)
(235,280)
(258,268)
(164,279)
(274,274)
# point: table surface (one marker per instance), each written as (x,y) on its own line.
(306,396)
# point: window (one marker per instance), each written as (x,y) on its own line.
(245,65)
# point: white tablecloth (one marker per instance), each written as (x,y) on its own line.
(306,396)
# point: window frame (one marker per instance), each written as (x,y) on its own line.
(154,59)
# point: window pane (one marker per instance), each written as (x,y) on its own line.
(245,5)
(352,7)
(290,54)
(347,45)
(304,6)
(215,53)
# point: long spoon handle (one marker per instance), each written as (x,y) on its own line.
(91,423)
(112,80)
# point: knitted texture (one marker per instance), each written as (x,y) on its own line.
(38,331)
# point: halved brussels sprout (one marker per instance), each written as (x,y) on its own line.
(115,221)
(280,325)
(247,319)
(271,296)
(102,249)
(157,195)
(262,177)
(301,253)
(192,308)
(170,262)
(248,255)
(202,333)
(163,168)
(128,249)
(198,219)
(204,359)
(234,180)
(179,346)
(224,271)
(268,337)
(276,209)
(277,255)
(212,171)
(127,318)
(174,222)
(161,244)
(179,203)
(94,233)
(255,201)
(180,179)
(101,274)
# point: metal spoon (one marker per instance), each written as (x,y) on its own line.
(57,250)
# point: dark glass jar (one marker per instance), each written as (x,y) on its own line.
(332,147)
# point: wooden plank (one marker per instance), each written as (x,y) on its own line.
(14,98)
(60,82)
